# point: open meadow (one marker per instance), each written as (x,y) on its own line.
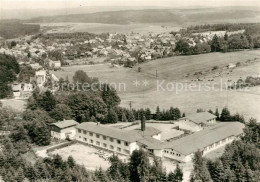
(175,77)
(142,28)
(15,104)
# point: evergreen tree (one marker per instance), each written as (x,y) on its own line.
(41,134)
(249,175)
(218,172)
(229,176)
(112,117)
(226,37)
(215,44)
(217,114)
(47,101)
(148,114)
(178,174)
(60,112)
(131,117)
(225,114)
(101,175)
(124,119)
(117,169)
(210,111)
(176,113)
(158,113)
(71,162)
(31,173)
(171,177)
(93,119)
(200,171)
(110,96)
(139,166)
(20,175)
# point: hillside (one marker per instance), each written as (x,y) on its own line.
(14,28)
(175,16)
(179,70)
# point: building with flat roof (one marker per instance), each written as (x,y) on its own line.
(197,121)
(64,129)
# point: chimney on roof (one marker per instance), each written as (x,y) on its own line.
(143,123)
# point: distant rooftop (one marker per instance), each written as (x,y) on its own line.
(201,117)
(65,124)
(201,139)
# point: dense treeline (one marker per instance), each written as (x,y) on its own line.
(225,115)
(9,68)
(70,37)
(249,39)
(222,27)
(239,162)
(14,29)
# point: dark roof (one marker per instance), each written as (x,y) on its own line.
(201,139)
(149,131)
(201,117)
(65,124)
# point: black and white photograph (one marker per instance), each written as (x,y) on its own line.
(129,90)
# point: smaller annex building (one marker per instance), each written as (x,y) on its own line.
(64,129)
(205,140)
(197,121)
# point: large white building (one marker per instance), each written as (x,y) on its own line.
(197,121)
(182,149)
(113,139)
(64,129)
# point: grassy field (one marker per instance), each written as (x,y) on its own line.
(16,105)
(182,69)
(104,28)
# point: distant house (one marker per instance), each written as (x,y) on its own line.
(54,64)
(64,129)
(36,66)
(16,87)
(231,65)
(196,122)
(40,77)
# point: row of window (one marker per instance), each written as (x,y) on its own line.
(104,145)
(104,137)
(218,143)
(172,153)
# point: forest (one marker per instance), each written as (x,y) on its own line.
(9,68)
(13,29)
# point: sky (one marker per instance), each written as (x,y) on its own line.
(60,4)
